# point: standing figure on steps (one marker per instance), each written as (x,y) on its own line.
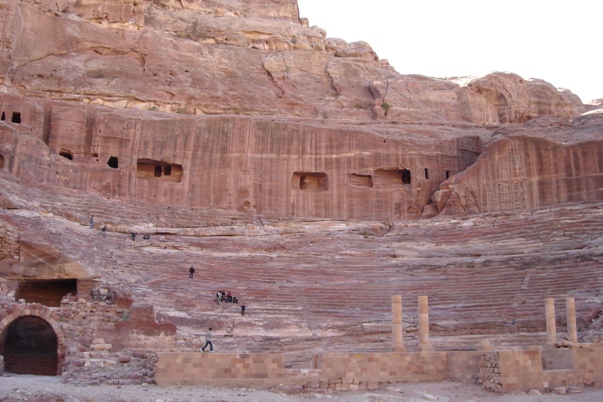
(208,336)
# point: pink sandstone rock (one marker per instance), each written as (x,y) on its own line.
(282,162)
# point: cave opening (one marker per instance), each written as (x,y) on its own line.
(392,177)
(113,162)
(3,116)
(30,347)
(158,170)
(65,153)
(46,292)
(405,176)
(16,118)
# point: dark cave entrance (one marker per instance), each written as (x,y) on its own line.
(16,118)
(392,177)
(30,347)
(65,153)
(113,162)
(46,292)
(157,170)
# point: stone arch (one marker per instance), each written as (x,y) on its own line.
(11,315)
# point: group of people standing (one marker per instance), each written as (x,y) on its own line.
(222,296)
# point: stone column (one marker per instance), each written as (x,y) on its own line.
(397,334)
(572,330)
(551,330)
(424,345)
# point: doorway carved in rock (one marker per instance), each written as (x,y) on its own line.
(31,340)
(30,347)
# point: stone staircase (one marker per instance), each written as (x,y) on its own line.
(318,285)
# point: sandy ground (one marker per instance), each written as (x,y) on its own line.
(51,389)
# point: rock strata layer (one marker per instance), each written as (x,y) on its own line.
(299,171)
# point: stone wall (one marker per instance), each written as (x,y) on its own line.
(423,366)
(91,349)
(341,371)
(521,370)
(498,371)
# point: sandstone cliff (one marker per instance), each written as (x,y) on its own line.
(243,57)
(242,105)
(283,162)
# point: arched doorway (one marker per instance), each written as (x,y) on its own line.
(30,347)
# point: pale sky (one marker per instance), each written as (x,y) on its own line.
(558,41)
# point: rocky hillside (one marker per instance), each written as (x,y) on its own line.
(300,172)
(243,57)
(319,285)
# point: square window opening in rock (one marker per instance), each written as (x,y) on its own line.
(16,118)
(113,162)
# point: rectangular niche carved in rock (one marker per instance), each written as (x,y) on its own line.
(310,181)
(66,153)
(392,177)
(46,292)
(149,169)
(1,161)
(16,118)
(361,180)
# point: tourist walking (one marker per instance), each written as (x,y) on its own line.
(191,272)
(208,337)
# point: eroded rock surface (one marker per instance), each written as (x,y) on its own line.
(291,169)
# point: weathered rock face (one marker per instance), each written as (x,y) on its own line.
(538,165)
(258,58)
(271,167)
(210,121)
(244,57)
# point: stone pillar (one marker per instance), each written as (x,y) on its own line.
(572,330)
(551,330)
(424,345)
(397,334)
